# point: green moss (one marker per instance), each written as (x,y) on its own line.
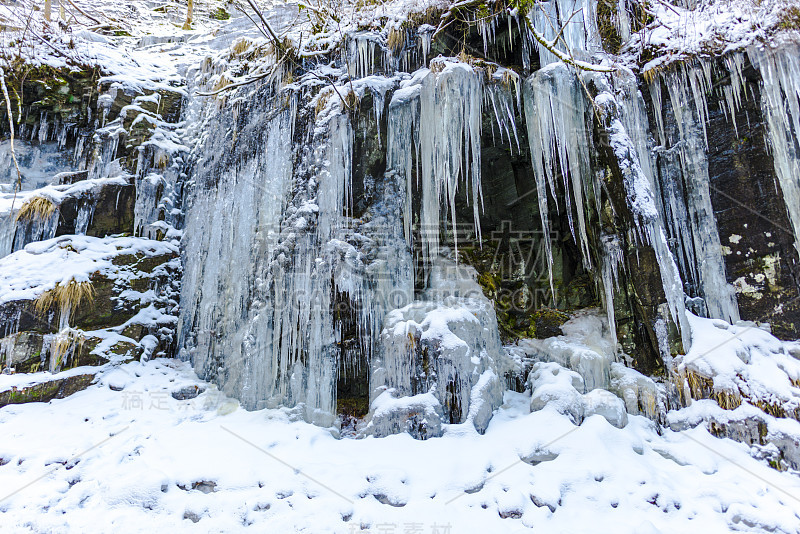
(790,18)
(606,17)
(219,14)
(46,391)
(517,313)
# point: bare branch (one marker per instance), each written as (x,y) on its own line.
(267,26)
(82,12)
(18,186)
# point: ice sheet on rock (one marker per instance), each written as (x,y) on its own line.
(706,251)
(447,345)
(224,314)
(642,396)
(16,232)
(419,415)
(586,348)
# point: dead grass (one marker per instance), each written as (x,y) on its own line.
(67,297)
(36,208)
(396,40)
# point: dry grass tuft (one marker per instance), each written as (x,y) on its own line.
(396,40)
(36,208)
(66,297)
(240,47)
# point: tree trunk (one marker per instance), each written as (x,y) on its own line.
(47,9)
(189,10)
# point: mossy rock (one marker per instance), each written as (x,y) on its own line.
(106,310)
(46,391)
(547,322)
(219,14)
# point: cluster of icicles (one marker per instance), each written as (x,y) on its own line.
(257,309)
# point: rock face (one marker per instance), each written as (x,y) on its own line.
(87,296)
(755,233)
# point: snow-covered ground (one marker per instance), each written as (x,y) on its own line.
(125,455)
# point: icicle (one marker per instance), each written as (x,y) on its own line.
(555,113)
(402,140)
(501,97)
(85,214)
(335,199)
(612,259)
(450,101)
(780,99)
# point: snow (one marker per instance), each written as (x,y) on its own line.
(139,453)
(720,26)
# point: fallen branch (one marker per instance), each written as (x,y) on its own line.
(273,35)
(246,81)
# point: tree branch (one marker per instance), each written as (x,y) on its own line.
(18,186)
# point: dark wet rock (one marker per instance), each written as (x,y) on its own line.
(188,392)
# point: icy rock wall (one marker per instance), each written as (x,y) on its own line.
(780,95)
(559,121)
(684,158)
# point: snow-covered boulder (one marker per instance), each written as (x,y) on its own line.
(551,384)
(586,347)
(419,415)
(642,396)
(555,387)
(606,404)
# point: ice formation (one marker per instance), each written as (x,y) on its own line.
(687,159)
(780,74)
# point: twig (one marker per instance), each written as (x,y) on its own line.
(82,12)
(18,186)
(267,26)
(246,81)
